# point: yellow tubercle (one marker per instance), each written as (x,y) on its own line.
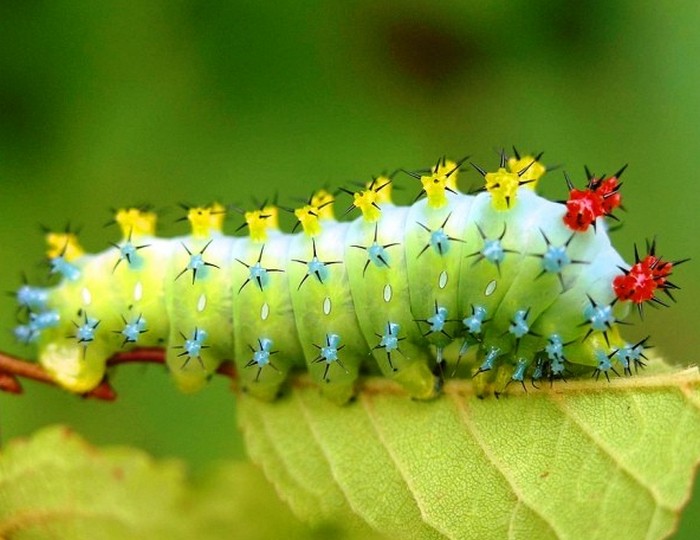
(322,200)
(449,167)
(503,186)
(64,245)
(206,219)
(442,178)
(382,187)
(435,186)
(533,170)
(134,222)
(260,221)
(308,217)
(377,192)
(366,201)
(273,219)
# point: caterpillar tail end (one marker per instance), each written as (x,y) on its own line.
(76,368)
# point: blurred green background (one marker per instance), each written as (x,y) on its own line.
(116,103)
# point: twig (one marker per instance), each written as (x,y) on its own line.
(12,369)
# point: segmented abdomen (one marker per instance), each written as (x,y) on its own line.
(501,279)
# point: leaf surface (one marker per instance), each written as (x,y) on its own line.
(581,459)
(55,485)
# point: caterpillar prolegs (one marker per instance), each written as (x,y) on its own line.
(516,287)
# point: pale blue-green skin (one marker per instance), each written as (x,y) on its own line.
(352,303)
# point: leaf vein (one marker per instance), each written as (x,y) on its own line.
(500,467)
(299,484)
(317,439)
(366,405)
(589,432)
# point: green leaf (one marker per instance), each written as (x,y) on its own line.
(585,458)
(57,486)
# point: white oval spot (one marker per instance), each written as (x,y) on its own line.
(202,303)
(327,305)
(387,292)
(490,288)
(87,297)
(138,291)
(442,280)
(264,311)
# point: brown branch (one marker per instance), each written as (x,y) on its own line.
(12,369)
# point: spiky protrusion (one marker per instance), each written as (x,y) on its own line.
(600,198)
(319,207)
(206,219)
(442,178)
(648,274)
(368,200)
(504,183)
(529,168)
(135,222)
(259,222)
(64,245)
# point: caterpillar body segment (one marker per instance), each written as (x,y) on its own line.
(262,309)
(326,320)
(382,298)
(198,294)
(515,286)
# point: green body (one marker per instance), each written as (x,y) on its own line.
(353,302)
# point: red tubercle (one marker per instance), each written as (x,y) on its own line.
(608,190)
(639,283)
(599,199)
(582,209)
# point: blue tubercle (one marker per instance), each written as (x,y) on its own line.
(631,354)
(519,326)
(129,252)
(600,317)
(438,320)
(329,352)
(439,241)
(378,255)
(490,359)
(555,353)
(604,364)
(519,372)
(555,259)
(390,338)
(33,298)
(45,319)
(60,265)
(193,346)
(133,329)
(475,321)
(557,368)
(318,268)
(555,348)
(85,333)
(493,251)
(196,264)
(261,356)
(259,275)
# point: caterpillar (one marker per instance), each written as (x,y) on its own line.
(500,285)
